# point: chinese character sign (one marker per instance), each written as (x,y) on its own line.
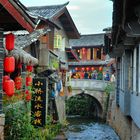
(38,104)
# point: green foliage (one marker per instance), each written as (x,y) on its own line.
(18,125)
(80,105)
(110,87)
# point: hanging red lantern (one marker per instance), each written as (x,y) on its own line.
(18,82)
(6,77)
(83,50)
(87,68)
(27,92)
(28,97)
(28,81)
(29,68)
(100,68)
(10,87)
(83,68)
(9,64)
(9,41)
(92,68)
(76,69)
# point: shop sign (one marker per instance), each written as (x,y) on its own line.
(38,103)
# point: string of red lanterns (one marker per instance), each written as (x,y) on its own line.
(89,68)
(9,66)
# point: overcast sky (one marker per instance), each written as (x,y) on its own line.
(89,16)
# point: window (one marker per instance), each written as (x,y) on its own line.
(58,41)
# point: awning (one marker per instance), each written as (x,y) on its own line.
(23,57)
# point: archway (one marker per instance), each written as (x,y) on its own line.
(84,105)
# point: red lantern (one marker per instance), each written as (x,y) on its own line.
(9,64)
(92,68)
(10,87)
(18,82)
(6,77)
(83,50)
(29,68)
(83,69)
(87,68)
(28,97)
(9,41)
(76,68)
(27,92)
(28,81)
(100,68)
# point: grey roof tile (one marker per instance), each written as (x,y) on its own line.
(47,12)
(88,40)
(25,40)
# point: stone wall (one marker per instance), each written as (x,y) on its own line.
(123,125)
(60,103)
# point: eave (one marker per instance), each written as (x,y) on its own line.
(13,8)
(67,23)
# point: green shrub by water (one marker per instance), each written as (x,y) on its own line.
(18,125)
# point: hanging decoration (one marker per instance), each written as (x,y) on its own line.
(9,41)
(18,82)
(6,77)
(100,68)
(28,80)
(9,64)
(92,68)
(27,95)
(9,87)
(76,69)
(29,68)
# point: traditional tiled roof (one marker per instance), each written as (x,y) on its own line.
(27,39)
(90,40)
(52,13)
(47,12)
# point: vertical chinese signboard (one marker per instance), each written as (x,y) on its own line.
(38,104)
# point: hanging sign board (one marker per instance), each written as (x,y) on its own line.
(38,103)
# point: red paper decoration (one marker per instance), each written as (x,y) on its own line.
(10,87)
(100,68)
(28,81)
(76,68)
(10,41)
(18,82)
(28,97)
(9,64)
(29,68)
(6,77)
(92,68)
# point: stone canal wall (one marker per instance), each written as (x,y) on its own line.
(60,104)
(123,125)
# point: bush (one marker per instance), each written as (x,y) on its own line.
(18,125)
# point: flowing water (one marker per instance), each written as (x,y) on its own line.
(80,129)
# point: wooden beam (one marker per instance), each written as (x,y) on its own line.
(16,14)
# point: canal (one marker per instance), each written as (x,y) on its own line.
(87,129)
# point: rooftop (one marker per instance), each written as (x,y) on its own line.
(47,12)
(89,40)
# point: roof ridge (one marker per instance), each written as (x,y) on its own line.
(92,34)
(56,5)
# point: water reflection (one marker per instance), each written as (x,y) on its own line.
(90,131)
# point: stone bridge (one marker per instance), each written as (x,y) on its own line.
(93,88)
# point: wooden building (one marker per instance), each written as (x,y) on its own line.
(125,47)
(87,53)
(13,17)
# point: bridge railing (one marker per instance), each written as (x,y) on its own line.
(89,84)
